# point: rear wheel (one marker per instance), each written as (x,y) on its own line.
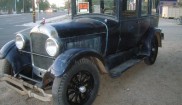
(79,86)
(153,52)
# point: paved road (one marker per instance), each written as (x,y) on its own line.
(10,24)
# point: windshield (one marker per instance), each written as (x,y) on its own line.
(107,7)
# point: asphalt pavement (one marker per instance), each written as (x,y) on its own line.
(10,24)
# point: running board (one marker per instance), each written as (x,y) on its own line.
(117,71)
(20,86)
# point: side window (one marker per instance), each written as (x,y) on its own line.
(129,8)
(144,7)
(96,6)
(154,7)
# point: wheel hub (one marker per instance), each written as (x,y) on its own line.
(82,89)
(153,49)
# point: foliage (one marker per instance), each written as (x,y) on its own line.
(6,5)
(67,3)
(24,5)
(44,4)
(9,5)
(54,6)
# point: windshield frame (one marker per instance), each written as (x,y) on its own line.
(75,15)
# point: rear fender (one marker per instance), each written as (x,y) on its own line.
(65,60)
(160,36)
(149,35)
(17,59)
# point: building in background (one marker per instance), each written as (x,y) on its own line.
(170,8)
(169,3)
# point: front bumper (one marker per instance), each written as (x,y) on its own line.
(20,86)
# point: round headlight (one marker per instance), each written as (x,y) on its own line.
(52,47)
(20,41)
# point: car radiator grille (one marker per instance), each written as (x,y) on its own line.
(38,43)
(40,57)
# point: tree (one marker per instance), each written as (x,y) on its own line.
(10,5)
(44,4)
(54,6)
(7,5)
(27,5)
(2,5)
(67,4)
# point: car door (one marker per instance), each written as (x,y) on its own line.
(144,17)
(129,24)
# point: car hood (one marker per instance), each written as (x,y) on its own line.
(79,27)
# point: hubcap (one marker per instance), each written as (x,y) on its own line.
(153,49)
(82,89)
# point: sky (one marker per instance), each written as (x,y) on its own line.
(59,3)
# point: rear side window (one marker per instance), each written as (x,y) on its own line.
(154,7)
(144,7)
(129,8)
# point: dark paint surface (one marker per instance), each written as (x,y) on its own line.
(79,27)
(66,59)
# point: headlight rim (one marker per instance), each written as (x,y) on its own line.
(56,42)
(23,39)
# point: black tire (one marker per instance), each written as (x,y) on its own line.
(78,86)
(6,68)
(154,51)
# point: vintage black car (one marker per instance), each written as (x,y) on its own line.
(103,36)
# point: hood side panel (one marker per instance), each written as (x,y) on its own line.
(79,27)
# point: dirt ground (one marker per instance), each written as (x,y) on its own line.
(159,84)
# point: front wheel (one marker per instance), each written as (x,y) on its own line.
(6,68)
(78,86)
(153,52)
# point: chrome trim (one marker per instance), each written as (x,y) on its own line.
(39,71)
(23,39)
(57,46)
(46,30)
(37,54)
(94,34)
(51,33)
(107,35)
(25,77)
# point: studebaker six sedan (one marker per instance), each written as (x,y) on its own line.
(103,36)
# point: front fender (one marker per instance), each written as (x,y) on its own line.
(66,59)
(6,49)
(17,59)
